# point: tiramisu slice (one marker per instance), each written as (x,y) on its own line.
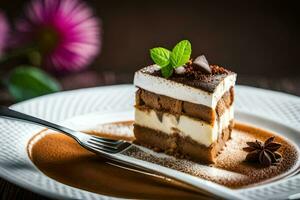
(187,112)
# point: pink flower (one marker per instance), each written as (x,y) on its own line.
(65,32)
(4,28)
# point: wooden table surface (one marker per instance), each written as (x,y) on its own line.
(9,191)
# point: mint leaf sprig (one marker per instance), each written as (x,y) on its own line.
(168,61)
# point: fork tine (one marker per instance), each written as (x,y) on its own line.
(102,144)
(104,140)
(110,148)
(123,146)
(101,148)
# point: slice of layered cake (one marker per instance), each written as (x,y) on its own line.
(186,113)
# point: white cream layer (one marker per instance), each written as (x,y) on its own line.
(198,130)
(180,91)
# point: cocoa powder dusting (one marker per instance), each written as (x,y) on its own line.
(194,76)
(62,159)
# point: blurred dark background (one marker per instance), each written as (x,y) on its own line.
(257,39)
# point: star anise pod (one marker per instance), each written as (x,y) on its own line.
(263,153)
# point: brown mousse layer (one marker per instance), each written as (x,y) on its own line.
(195,77)
(179,146)
(161,103)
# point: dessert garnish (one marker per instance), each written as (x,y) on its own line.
(201,61)
(170,60)
(178,59)
(263,153)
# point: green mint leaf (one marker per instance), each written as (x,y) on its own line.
(160,56)
(167,71)
(181,53)
(26,82)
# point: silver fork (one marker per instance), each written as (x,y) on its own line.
(112,149)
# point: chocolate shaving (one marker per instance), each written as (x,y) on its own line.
(263,153)
(201,62)
(159,115)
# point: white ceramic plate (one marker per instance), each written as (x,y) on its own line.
(274,111)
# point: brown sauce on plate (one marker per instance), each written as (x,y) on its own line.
(62,159)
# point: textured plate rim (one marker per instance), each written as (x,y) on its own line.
(49,194)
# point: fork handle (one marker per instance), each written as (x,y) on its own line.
(11,114)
